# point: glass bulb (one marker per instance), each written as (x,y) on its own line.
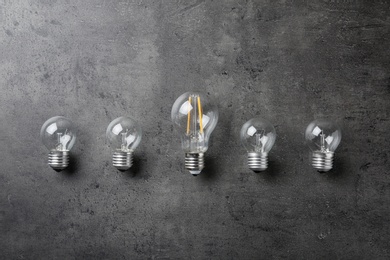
(59,136)
(124,136)
(258,137)
(323,137)
(194,117)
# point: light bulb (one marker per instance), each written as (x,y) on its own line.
(124,136)
(323,137)
(59,136)
(258,137)
(194,118)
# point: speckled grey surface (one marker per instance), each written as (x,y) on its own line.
(287,61)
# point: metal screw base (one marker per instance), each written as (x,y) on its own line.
(194,162)
(58,160)
(258,162)
(122,160)
(322,161)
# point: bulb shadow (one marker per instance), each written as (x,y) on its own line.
(136,168)
(272,173)
(210,170)
(341,169)
(72,167)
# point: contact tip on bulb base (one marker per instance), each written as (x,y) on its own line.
(194,162)
(322,161)
(258,162)
(122,160)
(58,160)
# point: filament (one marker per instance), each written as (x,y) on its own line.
(200,116)
(196,111)
(189,116)
(194,119)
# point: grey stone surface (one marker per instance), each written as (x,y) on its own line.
(287,61)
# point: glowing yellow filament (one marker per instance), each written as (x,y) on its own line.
(189,115)
(200,116)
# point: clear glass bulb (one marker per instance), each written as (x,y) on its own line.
(323,137)
(59,136)
(258,137)
(194,117)
(124,136)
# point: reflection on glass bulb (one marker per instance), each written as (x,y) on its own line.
(258,137)
(58,136)
(194,118)
(323,137)
(123,135)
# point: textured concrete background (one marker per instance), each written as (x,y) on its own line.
(287,61)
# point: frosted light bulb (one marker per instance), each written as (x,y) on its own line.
(323,137)
(59,136)
(258,137)
(123,135)
(194,118)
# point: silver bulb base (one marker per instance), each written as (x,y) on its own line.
(58,160)
(258,162)
(322,161)
(122,160)
(194,162)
